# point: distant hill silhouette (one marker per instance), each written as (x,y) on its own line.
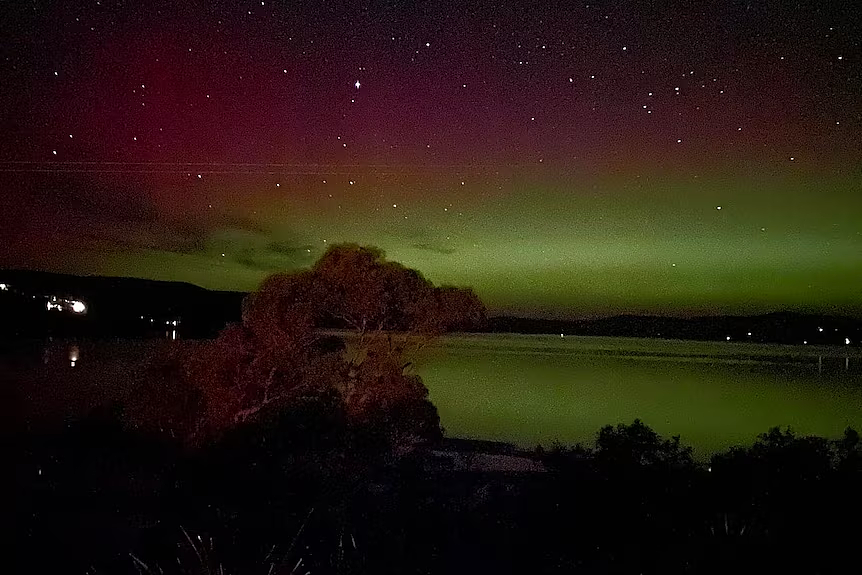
(778,327)
(115,306)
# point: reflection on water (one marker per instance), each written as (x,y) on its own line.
(539,389)
(52,350)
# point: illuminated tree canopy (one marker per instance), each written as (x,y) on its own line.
(278,355)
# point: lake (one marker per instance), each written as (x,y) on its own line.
(538,389)
(530,389)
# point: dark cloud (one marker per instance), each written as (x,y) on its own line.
(409,232)
(230,221)
(158,235)
(111,204)
(419,237)
(252,260)
(277,256)
(437,249)
(289,249)
(46,219)
(170,237)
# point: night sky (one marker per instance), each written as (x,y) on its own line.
(564,159)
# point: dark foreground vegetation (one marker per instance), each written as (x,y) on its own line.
(303,493)
(277,450)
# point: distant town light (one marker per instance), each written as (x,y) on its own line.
(846,341)
(4,287)
(62,304)
(561,335)
(728,338)
(749,334)
(820,329)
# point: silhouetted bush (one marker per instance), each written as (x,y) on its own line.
(304,483)
(638,445)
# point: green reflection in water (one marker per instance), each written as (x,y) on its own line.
(540,389)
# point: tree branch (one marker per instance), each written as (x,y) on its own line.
(243,414)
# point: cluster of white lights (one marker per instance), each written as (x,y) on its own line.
(62,304)
(4,287)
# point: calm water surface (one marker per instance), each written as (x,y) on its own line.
(534,389)
(538,389)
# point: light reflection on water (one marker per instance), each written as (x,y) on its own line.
(539,389)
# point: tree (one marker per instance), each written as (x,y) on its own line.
(361,291)
(277,356)
(637,444)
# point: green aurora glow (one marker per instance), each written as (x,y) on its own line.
(560,249)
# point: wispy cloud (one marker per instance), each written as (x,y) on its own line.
(437,249)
